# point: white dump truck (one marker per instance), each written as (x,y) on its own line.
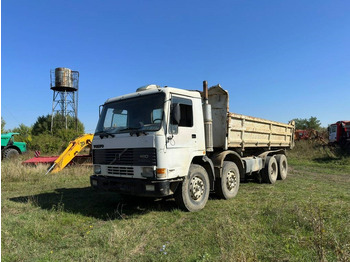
(164,141)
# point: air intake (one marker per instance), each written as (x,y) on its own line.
(148,87)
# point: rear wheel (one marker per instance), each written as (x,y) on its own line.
(193,193)
(269,173)
(10,153)
(227,186)
(282,166)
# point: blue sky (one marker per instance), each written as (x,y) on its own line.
(279,60)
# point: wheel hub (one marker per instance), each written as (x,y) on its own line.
(196,188)
(273,169)
(284,167)
(231,181)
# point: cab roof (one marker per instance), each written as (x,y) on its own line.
(155,89)
(8,135)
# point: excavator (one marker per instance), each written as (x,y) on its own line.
(70,152)
(69,155)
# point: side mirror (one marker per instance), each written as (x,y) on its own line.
(176,114)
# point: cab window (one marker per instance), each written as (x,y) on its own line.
(186,110)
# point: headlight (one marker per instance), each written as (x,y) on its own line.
(147,172)
(97,169)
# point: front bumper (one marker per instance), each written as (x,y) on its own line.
(137,187)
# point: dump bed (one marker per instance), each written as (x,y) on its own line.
(247,131)
(232,130)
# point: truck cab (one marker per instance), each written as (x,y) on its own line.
(339,133)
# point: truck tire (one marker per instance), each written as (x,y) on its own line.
(193,193)
(282,166)
(10,153)
(269,173)
(227,186)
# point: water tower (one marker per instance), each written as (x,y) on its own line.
(65,85)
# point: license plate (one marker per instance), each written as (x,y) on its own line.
(149,187)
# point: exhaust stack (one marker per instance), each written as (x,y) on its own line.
(208,120)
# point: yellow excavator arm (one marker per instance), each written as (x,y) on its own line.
(70,152)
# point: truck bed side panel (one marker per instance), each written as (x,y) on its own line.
(247,131)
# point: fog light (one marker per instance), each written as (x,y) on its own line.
(97,169)
(149,187)
(94,182)
(147,172)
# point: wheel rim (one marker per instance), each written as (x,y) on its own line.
(231,180)
(284,167)
(197,188)
(273,172)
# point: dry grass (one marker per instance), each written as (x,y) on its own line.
(59,217)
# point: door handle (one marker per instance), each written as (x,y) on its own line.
(194,135)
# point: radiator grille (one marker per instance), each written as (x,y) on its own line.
(120,170)
(125,156)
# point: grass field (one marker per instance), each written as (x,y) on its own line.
(59,218)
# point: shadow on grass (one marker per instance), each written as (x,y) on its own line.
(326,160)
(339,160)
(97,204)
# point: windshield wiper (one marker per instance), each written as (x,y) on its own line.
(103,134)
(134,130)
(129,129)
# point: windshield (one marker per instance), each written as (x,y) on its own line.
(144,113)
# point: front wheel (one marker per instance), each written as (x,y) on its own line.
(227,186)
(10,153)
(193,193)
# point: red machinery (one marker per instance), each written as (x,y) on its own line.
(340,133)
(301,134)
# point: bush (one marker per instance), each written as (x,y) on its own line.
(43,125)
(25,133)
(67,134)
(39,137)
(47,143)
(43,140)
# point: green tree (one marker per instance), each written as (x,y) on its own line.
(314,123)
(304,123)
(48,144)
(300,123)
(57,141)
(25,133)
(3,123)
(43,125)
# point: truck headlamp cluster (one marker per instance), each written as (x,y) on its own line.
(97,169)
(147,172)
